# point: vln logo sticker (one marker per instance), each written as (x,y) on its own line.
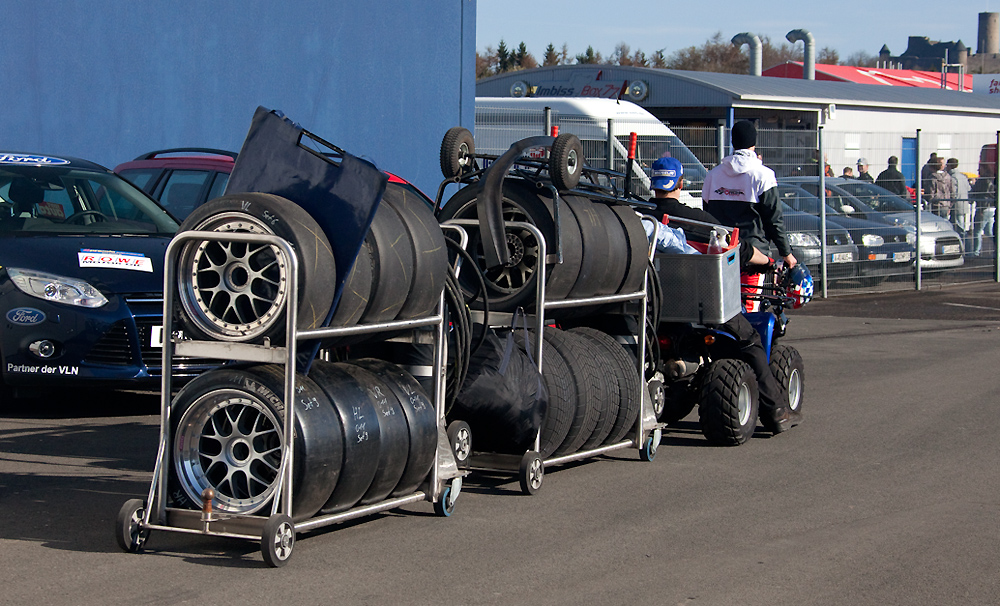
(115,260)
(25,316)
(24,159)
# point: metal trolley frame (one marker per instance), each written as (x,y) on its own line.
(530,467)
(276,531)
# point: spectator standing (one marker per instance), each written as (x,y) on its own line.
(848,173)
(863,171)
(938,189)
(984,194)
(930,167)
(891,179)
(964,209)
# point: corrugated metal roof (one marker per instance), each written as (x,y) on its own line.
(871,75)
(676,88)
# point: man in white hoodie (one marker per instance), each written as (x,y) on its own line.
(741,192)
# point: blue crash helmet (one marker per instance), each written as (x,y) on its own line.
(799,285)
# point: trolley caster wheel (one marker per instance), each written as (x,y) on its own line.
(531,472)
(648,452)
(277,540)
(460,438)
(446,506)
(128,528)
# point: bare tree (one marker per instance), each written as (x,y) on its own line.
(485,63)
(715,55)
(861,59)
(828,56)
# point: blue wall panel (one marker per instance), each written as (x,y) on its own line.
(107,80)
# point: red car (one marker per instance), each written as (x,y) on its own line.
(182,178)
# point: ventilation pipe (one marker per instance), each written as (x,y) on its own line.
(809,61)
(756,64)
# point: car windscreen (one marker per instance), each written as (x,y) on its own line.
(70,200)
(877,197)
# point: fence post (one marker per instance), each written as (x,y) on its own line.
(548,121)
(720,142)
(824,274)
(611,144)
(996,212)
(920,202)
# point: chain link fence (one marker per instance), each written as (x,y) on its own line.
(864,210)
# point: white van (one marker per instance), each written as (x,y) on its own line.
(500,121)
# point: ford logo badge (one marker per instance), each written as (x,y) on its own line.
(25,316)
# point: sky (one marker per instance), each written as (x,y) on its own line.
(670,25)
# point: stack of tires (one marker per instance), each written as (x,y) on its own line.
(237,292)
(592,249)
(363,431)
(604,247)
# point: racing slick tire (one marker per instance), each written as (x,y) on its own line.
(228,437)
(237,292)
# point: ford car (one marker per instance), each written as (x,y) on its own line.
(81,277)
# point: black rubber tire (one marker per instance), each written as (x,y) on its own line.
(789,370)
(618,250)
(586,381)
(394,434)
(626,373)
(235,271)
(561,388)
(277,540)
(606,372)
(128,532)
(430,255)
(421,421)
(357,289)
(566,161)
(511,285)
(357,414)
(596,259)
(204,414)
(728,403)
(458,151)
(392,266)
(638,249)
(530,473)
(562,276)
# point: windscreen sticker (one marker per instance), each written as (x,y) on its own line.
(115,260)
(29,160)
(51,210)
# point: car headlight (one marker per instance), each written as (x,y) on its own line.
(58,289)
(911,233)
(872,240)
(803,240)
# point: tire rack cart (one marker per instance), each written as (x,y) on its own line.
(530,467)
(276,532)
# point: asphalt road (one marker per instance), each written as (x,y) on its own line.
(887,494)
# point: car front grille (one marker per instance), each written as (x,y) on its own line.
(939,245)
(112,349)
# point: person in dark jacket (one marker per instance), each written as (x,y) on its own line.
(892,179)
(863,174)
(666,182)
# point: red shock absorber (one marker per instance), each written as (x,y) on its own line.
(555,130)
(632,137)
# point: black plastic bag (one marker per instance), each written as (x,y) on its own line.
(503,398)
